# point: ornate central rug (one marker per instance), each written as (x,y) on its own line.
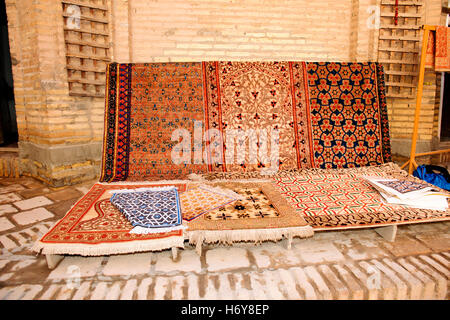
(341,200)
(95,227)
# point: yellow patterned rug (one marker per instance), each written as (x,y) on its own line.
(262,214)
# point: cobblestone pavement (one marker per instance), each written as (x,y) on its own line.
(356,264)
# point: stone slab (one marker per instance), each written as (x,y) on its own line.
(31,203)
(5,224)
(32,216)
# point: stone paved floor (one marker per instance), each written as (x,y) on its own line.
(355,264)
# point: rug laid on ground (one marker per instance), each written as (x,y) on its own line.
(150,210)
(95,227)
(261,214)
(165,121)
(333,199)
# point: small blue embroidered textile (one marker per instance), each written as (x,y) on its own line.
(157,207)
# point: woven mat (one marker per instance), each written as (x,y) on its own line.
(95,227)
(329,199)
(261,215)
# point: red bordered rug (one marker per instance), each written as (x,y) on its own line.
(95,227)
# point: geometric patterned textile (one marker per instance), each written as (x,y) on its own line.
(339,201)
(346,116)
(146,103)
(201,199)
(254,205)
(328,194)
(157,207)
(164,121)
(404,186)
(95,227)
(260,207)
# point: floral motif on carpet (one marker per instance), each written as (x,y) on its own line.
(259,97)
(94,220)
(254,205)
(348,124)
(146,103)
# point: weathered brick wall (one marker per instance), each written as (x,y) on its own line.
(60,135)
(401,111)
(192,30)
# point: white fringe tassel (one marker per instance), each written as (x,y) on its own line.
(229,237)
(144,230)
(102,249)
(143,189)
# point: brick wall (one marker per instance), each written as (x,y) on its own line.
(180,30)
(401,111)
(60,135)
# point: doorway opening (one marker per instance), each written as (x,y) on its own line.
(445,115)
(8,123)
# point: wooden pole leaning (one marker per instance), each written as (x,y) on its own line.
(412,162)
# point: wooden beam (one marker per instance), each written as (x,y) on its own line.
(90,31)
(86,5)
(84,56)
(88,18)
(432,153)
(88,43)
(426,34)
(7,149)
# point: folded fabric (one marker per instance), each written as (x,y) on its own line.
(203,198)
(150,210)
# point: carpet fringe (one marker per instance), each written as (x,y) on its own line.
(229,237)
(108,248)
(386,168)
(168,188)
(149,230)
